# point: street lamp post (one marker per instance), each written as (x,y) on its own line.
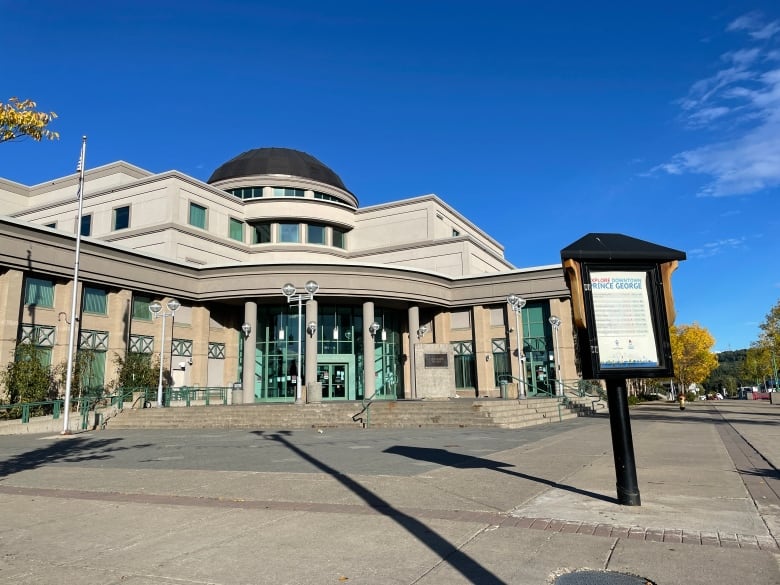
(156,309)
(556,324)
(517,305)
(289,290)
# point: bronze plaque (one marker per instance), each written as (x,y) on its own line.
(436,360)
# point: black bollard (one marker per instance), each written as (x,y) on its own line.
(622,443)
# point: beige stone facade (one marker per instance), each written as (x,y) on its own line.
(416,267)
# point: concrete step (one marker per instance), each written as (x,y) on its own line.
(382,414)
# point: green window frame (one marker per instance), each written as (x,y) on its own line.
(465,365)
(338,238)
(287,192)
(261,233)
(289,232)
(197,215)
(326,197)
(92,366)
(236,229)
(315,233)
(182,347)
(93,340)
(216,351)
(86,225)
(501,366)
(121,218)
(141,308)
(247,192)
(141,344)
(37,335)
(39,292)
(95,301)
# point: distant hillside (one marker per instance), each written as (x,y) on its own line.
(727,374)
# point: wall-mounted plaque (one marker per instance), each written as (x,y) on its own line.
(436,360)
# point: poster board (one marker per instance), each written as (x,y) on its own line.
(628,334)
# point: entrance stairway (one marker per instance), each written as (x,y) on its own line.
(462,412)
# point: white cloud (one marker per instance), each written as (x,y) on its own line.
(743,98)
(714,248)
(754,25)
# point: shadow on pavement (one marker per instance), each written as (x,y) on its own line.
(457,559)
(70,450)
(444,457)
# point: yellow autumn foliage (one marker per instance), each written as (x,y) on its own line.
(692,353)
(19,118)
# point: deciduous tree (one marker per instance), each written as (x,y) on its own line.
(19,118)
(692,354)
(27,378)
(765,352)
(136,370)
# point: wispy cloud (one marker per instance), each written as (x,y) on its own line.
(743,97)
(753,23)
(717,247)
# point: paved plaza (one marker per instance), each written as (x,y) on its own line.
(417,506)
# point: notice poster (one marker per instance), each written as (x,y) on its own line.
(624,325)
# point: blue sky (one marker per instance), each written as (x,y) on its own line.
(540,122)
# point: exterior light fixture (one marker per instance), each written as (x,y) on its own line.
(289,290)
(555,322)
(311,328)
(517,303)
(156,309)
(247,329)
(373,328)
(422,331)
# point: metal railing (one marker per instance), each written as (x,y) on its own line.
(507,378)
(207,395)
(24,411)
(365,408)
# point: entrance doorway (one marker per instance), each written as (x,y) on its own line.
(335,381)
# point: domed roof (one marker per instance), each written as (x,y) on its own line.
(276,161)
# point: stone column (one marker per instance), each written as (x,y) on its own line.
(483,354)
(313,389)
(11,303)
(369,376)
(250,343)
(414,325)
(562,309)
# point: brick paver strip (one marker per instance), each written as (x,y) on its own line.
(674,536)
(620,531)
(766,543)
(691,537)
(635,533)
(717,535)
(586,528)
(726,540)
(503,520)
(540,524)
(524,522)
(747,541)
(555,525)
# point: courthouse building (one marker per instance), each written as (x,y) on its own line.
(410,299)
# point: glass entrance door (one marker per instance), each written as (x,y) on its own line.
(335,381)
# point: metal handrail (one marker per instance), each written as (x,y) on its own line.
(504,377)
(188,394)
(366,407)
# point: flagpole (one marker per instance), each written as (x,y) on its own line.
(75,295)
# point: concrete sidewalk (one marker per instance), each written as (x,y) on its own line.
(397,507)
